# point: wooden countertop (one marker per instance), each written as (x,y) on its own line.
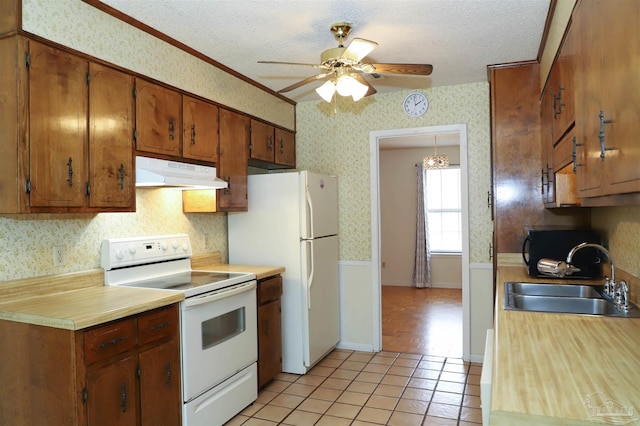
(213,262)
(86,307)
(558,369)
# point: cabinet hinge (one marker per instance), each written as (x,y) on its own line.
(27,186)
(27,59)
(88,76)
(135,135)
(138,372)
(85,395)
(88,189)
(133,92)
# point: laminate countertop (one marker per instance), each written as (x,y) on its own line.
(562,369)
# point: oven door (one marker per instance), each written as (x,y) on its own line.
(219,336)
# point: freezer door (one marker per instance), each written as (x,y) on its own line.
(321,298)
(319,205)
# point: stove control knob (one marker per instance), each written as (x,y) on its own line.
(164,246)
(185,247)
(132,249)
(174,245)
(120,254)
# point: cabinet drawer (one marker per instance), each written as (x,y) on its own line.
(269,289)
(157,324)
(108,340)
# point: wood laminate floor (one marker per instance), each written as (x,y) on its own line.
(426,321)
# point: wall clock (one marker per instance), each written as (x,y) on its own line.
(416,104)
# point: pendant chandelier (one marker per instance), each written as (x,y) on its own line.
(436,161)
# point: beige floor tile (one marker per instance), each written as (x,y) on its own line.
(388,354)
(405,362)
(475,369)
(439,421)
(347,411)
(369,377)
(471,401)
(353,398)
(376,368)
(448,376)
(389,390)
(440,397)
(265,396)
(405,419)
(472,390)
(422,383)
(423,373)
(325,394)
(419,394)
(362,387)
(361,423)
(383,402)
(273,413)
(455,368)
(253,421)
(353,365)
(374,415)
(410,356)
(473,415)
(288,401)
(310,380)
(340,354)
(341,373)
(431,365)
(400,371)
(314,405)
(301,418)
(472,379)
(412,406)
(287,377)
(434,358)
(334,383)
(321,371)
(277,386)
(252,409)
(361,357)
(330,362)
(299,389)
(463,423)
(443,410)
(333,421)
(394,380)
(450,387)
(237,420)
(381,359)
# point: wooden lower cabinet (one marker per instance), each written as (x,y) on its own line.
(269,329)
(125,372)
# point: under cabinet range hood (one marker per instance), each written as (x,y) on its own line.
(156,173)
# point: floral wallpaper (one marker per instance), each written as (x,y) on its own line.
(621,226)
(89,30)
(28,240)
(334,139)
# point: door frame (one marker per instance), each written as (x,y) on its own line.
(376,284)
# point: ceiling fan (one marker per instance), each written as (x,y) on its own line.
(343,67)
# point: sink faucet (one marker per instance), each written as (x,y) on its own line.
(619,294)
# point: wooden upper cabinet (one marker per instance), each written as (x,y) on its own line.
(158,119)
(563,86)
(233,163)
(58,106)
(285,149)
(262,142)
(607,59)
(200,130)
(111,138)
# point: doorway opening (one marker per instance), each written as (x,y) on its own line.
(418,142)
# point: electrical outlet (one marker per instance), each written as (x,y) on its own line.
(58,255)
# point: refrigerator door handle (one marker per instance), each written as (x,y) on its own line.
(310,222)
(311,272)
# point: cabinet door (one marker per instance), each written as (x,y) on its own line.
(261,147)
(285,148)
(200,130)
(110,138)
(269,342)
(112,393)
(160,396)
(158,119)
(57,127)
(546,139)
(564,86)
(234,150)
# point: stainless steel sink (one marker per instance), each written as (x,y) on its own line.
(561,298)
(557,290)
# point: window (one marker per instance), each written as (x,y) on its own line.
(444,212)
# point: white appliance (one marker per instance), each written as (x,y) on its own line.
(154,172)
(292,221)
(218,322)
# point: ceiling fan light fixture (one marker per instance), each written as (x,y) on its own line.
(347,86)
(327,90)
(359,91)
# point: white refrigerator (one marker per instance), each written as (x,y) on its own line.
(292,221)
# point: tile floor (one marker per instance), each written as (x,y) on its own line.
(362,388)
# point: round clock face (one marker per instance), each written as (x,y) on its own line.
(416,104)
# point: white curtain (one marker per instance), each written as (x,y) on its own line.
(422,263)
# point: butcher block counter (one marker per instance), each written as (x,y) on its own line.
(76,301)
(213,261)
(563,369)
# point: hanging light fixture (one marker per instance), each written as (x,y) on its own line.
(436,161)
(344,84)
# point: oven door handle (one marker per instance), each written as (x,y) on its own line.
(218,295)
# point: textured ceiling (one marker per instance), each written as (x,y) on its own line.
(458,37)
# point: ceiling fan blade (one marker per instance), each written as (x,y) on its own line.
(358,49)
(371,91)
(289,63)
(415,69)
(305,81)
